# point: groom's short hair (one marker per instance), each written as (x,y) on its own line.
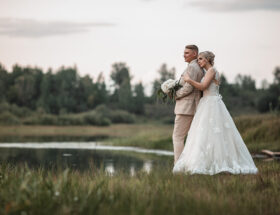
(192,47)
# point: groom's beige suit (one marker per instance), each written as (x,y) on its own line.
(187,99)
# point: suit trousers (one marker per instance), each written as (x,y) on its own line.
(182,125)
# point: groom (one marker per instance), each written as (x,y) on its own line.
(187,99)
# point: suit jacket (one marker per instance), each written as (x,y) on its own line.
(187,97)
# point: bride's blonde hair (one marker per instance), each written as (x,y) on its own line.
(209,56)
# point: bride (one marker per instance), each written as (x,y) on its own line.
(213,144)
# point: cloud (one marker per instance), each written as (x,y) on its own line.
(236,5)
(35,29)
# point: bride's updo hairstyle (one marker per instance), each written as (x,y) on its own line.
(209,56)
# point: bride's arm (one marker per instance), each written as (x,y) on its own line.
(209,76)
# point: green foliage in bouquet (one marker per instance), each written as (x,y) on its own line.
(171,94)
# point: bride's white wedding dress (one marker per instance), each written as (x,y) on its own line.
(214,144)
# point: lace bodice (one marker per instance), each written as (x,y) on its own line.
(213,89)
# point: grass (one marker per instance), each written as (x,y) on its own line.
(40,191)
(37,191)
(116,130)
(258,131)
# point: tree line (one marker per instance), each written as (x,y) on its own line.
(65,91)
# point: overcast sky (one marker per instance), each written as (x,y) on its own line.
(93,34)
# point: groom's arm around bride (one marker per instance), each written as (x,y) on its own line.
(187,99)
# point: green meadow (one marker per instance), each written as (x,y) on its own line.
(38,191)
(26,190)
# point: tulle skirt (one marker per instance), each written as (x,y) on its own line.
(214,144)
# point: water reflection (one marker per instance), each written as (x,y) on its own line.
(132,170)
(109,168)
(147,167)
(36,139)
(84,145)
(83,159)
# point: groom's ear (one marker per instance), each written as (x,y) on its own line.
(195,54)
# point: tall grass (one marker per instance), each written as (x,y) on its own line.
(260,131)
(37,191)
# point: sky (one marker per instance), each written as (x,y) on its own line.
(93,34)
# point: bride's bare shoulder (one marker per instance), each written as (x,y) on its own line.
(212,69)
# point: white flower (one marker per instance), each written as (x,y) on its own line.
(167,85)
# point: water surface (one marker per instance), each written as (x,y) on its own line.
(84,155)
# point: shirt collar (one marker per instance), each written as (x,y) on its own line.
(193,61)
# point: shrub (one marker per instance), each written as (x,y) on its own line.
(45,119)
(102,109)
(7,118)
(20,111)
(115,116)
(15,110)
(70,120)
(4,106)
(96,119)
(120,116)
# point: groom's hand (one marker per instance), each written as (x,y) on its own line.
(169,95)
(187,88)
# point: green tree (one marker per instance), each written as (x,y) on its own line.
(102,93)
(3,82)
(49,90)
(270,98)
(25,90)
(245,82)
(139,99)
(67,81)
(24,86)
(276,74)
(120,75)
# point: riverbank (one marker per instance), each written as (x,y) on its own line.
(258,131)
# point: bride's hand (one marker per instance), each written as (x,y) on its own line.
(187,77)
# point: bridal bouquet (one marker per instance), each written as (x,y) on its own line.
(168,88)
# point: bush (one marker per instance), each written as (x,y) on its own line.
(102,109)
(7,118)
(100,116)
(4,106)
(45,119)
(120,116)
(20,111)
(70,120)
(15,110)
(115,116)
(96,119)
